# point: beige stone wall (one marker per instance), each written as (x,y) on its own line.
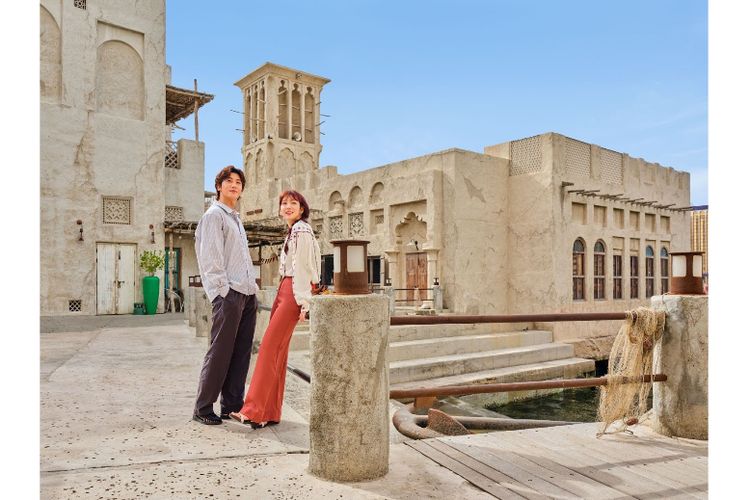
(498,228)
(546,224)
(184,186)
(95,143)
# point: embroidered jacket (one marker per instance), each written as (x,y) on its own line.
(301,261)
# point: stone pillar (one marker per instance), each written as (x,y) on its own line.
(349,390)
(192,296)
(394,272)
(437,295)
(681,403)
(432,268)
(391,299)
(203,314)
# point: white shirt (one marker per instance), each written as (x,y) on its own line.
(223,256)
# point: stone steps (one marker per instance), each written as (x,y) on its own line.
(443,346)
(465,354)
(457,364)
(406,333)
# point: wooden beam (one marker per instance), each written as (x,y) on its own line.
(195,108)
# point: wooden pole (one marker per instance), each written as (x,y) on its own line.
(172,265)
(195,107)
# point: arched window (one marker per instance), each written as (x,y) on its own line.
(599,256)
(309,116)
(649,271)
(664,258)
(296,114)
(579,272)
(50,72)
(283,117)
(120,87)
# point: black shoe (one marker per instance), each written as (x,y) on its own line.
(225,416)
(209,419)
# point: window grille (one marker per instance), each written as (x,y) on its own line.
(336,225)
(599,276)
(664,259)
(526,156)
(356,224)
(171,159)
(617,276)
(115,210)
(579,273)
(577,158)
(74,305)
(611,167)
(634,276)
(80,4)
(649,271)
(174,214)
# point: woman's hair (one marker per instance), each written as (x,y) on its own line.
(300,199)
(295,195)
(224,174)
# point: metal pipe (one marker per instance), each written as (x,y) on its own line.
(415,426)
(460,390)
(304,376)
(506,318)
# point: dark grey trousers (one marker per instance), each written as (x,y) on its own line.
(228,358)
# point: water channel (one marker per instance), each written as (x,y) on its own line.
(570,405)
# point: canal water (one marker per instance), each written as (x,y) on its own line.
(570,405)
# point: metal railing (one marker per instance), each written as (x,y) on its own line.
(506,318)
(418,298)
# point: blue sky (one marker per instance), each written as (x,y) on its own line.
(410,78)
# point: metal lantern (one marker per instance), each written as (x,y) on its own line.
(687,273)
(350,267)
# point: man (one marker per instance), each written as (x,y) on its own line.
(228,278)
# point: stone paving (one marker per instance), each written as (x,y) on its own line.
(116,404)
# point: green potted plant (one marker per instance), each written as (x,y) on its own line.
(151,261)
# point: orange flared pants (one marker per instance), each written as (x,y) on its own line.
(266,393)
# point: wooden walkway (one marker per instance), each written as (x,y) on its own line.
(571,462)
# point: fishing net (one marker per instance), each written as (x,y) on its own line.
(623,400)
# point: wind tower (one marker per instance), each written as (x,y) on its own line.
(281,126)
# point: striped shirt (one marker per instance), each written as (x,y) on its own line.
(223,257)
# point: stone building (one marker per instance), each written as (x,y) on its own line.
(111,178)
(540,224)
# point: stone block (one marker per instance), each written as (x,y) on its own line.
(349,426)
(681,403)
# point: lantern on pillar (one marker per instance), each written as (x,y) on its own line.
(350,267)
(687,273)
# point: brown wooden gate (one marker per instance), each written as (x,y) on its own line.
(416,276)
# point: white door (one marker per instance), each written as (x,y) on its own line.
(125,279)
(106,277)
(115,278)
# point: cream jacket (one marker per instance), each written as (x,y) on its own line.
(301,262)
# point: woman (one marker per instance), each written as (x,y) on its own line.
(299,268)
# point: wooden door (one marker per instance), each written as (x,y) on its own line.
(106,276)
(416,276)
(125,279)
(115,278)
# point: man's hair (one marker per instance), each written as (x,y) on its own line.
(224,174)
